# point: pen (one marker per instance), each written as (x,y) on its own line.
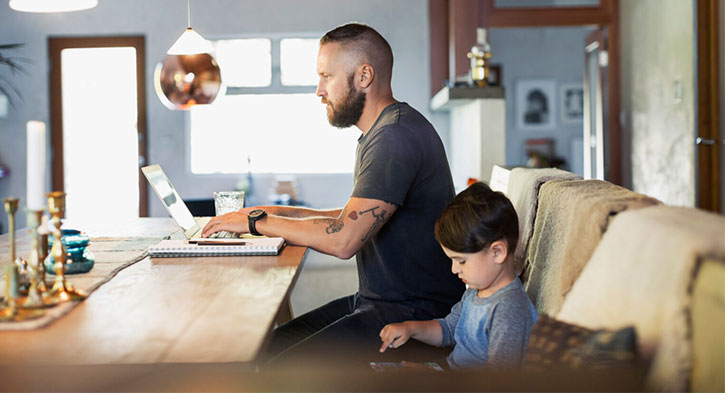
(218,242)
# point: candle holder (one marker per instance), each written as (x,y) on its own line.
(36,269)
(43,236)
(11,313)
(62,291)
(11,206)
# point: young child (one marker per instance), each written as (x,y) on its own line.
(490,326)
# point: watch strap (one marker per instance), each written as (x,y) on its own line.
(252,219)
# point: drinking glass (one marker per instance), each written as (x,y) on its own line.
(228,201)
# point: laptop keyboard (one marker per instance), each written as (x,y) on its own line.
(225,235)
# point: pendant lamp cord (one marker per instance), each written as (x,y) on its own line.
(188,13)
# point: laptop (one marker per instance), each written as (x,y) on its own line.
(176,207)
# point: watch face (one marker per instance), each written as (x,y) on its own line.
(256,213)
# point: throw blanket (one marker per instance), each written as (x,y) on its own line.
(523,190)
(571,218)
(642,274)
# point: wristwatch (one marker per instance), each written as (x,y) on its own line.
(254,216)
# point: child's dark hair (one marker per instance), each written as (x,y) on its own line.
(476,218)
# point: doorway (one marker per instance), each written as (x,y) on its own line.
(595,101)
(98,125)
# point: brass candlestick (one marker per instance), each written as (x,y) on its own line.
(11,313)
(43,236)
(62,290)
(11,206)
(36,269)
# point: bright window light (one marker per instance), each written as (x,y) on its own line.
(298,61)
(245,62)
(280,133)
(100,137)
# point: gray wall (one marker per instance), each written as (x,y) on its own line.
(539,53)
(403,23)
(657,50)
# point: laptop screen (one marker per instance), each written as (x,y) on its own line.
(168,195)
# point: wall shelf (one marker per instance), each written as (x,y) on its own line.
(449,97)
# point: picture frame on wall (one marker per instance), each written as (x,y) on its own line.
(571,97)
(535,104)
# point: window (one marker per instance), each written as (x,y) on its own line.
(245,63)
(298,61)
(280,133)
(270,121)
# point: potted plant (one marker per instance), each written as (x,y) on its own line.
(6,86)
(12,63)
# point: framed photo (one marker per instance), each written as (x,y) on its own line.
(572,103)
(535,104)
(494,75)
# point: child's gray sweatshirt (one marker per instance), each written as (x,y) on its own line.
(490,331)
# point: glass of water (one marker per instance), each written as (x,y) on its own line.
(228,201)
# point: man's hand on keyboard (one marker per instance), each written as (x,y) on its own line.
(231,222)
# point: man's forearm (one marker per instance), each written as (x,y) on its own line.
(338,232)
(300,212)
(317,232)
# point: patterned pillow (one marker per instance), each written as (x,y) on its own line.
(556,344)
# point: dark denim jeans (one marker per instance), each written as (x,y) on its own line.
(345,332)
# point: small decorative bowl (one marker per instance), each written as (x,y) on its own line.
(75,242)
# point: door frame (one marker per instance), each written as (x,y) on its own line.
(709,142)
(55,46)
(459,19)
(595,41)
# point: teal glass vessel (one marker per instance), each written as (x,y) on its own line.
(76,243)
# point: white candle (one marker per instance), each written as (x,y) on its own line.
(36,166)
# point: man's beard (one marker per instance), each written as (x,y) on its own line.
(348,111)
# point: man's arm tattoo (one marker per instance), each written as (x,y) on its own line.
(334,225)
(379,219)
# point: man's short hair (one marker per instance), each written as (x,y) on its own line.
(476,218)
(373,47)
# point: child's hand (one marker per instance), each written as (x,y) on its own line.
(394,335)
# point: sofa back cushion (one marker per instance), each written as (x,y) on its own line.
(642,273)
(571,217)
(708,327)
(523,191)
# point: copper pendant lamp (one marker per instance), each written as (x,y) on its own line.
(189,75)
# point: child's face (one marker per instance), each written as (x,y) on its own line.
(483,270)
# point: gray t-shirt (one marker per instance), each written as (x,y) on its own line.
(492,331)
(401,160)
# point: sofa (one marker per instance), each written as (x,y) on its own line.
(602,258)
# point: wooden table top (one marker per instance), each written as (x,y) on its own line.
(164,310)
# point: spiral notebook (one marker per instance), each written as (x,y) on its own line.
(216,247)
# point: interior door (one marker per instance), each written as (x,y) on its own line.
(98,130)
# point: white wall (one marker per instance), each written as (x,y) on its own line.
(403,23)
(555,53)
(658,51)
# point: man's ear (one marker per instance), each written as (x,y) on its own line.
(366,76)
(500,251)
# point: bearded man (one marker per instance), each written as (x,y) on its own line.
(402,182)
